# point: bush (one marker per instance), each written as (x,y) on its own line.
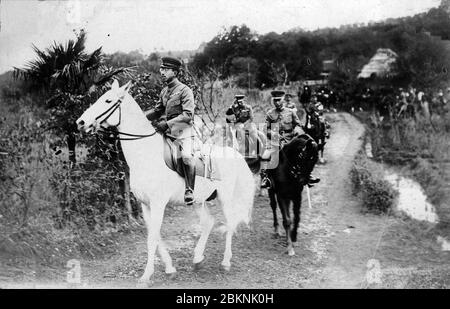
(44,203)
(377,194)
(89,195)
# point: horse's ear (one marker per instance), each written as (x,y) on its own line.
(126,87)
(115,85)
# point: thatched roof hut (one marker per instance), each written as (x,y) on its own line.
(380,65)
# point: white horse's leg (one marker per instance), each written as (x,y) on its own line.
(153,217)
(165,256)
(207,223)
(226,262)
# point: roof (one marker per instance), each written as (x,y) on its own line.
(380,64)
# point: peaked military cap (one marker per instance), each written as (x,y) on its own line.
(239,97)
(170,63)
(277,94)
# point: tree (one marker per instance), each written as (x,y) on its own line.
(69,77)
(244,70)
(237,41)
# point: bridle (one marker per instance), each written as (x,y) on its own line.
(105,130)
(294,167)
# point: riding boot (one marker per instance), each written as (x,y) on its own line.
(312,160)
(265,180)
(189,178)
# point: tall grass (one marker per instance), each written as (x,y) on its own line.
(44,204)
(422,147)
(377,194)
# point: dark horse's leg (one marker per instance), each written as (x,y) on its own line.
(297,211)
(322,146)
(287,224)
(273,205)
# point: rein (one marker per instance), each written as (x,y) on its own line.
(108,114)
(294,168)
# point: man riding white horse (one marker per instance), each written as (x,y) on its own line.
(289,127)
(173,115)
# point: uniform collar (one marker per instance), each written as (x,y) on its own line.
(174,82)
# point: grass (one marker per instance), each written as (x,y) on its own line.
(377,194)
(29,203)
(421,150)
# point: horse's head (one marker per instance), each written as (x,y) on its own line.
(105,112)
(300,148)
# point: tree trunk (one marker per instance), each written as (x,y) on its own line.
(125,183)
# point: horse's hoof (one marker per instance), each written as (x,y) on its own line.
(144,282)
(198,266)
(144,279)
(172,276)
(291,252)
(226,268)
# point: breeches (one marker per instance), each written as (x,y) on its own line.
(187,147)
(242,128)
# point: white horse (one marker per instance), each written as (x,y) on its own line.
(155,185)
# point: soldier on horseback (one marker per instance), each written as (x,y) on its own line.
(173,116)
(304,96)
(241,115)
(289,103)
(289,127)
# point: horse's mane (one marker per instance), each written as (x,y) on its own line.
(296,145)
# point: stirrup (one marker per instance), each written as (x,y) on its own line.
(313,180)
(189,197)
(266,183)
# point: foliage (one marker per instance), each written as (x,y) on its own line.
(377,194)
(422,150)
(70,79)
(424,59)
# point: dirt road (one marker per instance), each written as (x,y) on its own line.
(338,246)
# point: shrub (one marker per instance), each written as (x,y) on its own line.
(377,194)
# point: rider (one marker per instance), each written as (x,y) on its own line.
(173,115)
(289,127)
(288,103)
(304,97)
(241,115)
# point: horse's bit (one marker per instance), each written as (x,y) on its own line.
(109,112)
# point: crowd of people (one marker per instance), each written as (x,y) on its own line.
(388,101)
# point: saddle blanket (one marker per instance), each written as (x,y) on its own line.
(205,165)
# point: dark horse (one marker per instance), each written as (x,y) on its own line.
(296,160)
(318,130)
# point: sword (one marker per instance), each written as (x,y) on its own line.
(309,196)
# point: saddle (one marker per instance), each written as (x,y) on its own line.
(205,165)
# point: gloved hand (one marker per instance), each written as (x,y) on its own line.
(162,126)
(298,131)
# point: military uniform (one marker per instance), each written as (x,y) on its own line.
(241,115)
(289,126)
(288,103)
(176,105)
(174,116)
(289,123)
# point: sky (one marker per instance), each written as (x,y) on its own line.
(149,25)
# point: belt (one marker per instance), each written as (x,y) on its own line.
(286,131)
